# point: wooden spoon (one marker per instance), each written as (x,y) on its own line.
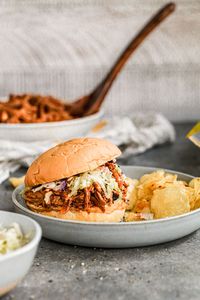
(91,103)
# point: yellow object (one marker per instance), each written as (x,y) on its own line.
(16,181)
(194,134)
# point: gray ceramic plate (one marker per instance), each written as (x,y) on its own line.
(115,235)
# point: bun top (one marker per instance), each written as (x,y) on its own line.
(70,158)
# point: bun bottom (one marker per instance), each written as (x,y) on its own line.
(115,216)
(113,213)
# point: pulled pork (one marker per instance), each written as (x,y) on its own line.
(47,199)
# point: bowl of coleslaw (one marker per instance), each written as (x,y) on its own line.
(19,240)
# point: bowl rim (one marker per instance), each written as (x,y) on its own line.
(77,121)
(18,190)
(30,245)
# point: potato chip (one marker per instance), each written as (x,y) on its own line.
(16,181)
(131,216)
(170,201)
(195,185)
(132,193)
(142,206)
(155,180)
(154,176)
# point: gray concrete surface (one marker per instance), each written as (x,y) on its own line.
(169,271)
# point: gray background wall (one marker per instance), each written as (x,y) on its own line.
(65,47)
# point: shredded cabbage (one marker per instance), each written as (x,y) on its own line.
(55,185)
(102,176)
(11,238)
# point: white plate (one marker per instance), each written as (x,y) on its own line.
(115,235)
(50,130)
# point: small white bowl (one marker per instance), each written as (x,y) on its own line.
(15,265)
(31,132)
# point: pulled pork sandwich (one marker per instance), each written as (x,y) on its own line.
(78,180)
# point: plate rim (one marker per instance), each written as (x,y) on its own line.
(18,190)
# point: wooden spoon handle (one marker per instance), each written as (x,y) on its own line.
(96,98)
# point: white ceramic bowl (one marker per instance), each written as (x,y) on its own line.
(49,130)
(15,265)
(115,235)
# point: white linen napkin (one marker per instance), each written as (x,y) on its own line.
(137,134)
(133,134)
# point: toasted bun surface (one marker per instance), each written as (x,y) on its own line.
(70,158)
(113,213)
(115,216)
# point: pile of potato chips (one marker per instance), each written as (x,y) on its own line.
(161,195)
